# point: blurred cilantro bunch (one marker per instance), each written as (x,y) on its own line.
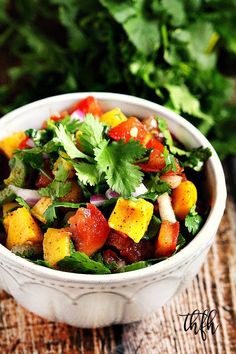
(170,51)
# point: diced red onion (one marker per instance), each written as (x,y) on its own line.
(111,194)
(141,189)
(30,143)
(78,114)
(31,196)
(172,181)
(45,156)
(165,208)
(97,199)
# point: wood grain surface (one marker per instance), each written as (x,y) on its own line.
(162,332)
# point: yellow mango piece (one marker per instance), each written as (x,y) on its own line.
(183,198)
(40,207)
(113,117)
(21,228)
(6,208)
(131,217)
(56,245)
(11,143)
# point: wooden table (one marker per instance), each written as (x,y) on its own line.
(163,332)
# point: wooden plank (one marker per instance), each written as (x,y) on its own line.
(162,332)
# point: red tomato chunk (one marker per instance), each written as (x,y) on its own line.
(129,250)
(89,229)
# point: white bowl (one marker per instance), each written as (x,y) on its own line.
(101,300)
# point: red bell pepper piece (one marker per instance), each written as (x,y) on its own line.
(156,163)
(132,128)
(89,229)
(23,144)
(167,239)
(87,105)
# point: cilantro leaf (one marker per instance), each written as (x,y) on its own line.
(64,138)
(52,146)
(61,173)
(149,196)
(197,157)
(193,221)
(86,173)
(22,202)
(39,136)
(133,266)
(32,157)
(56,189)
(50,214)
(71,125)
(59,187)
(180,243)
(170,163)
(163,126)
(194,158)
(183,100)
(80,263)
(41,262)
(92,133)
(156,185)
(153,228)
(116,161)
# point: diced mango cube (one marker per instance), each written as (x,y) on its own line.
(183,199)
(11,143)
(21,228)
(40,207)
(113,117)
(131,217)
(56,245)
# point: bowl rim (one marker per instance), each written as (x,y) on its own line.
(200,239)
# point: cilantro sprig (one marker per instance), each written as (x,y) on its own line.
(91,134)
(63,137)
(194,158)
(116,161)
(59,187)
(163,126)
(193,221)
(79,262)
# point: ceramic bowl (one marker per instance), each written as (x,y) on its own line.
(101,300)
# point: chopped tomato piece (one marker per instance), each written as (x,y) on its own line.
(130,250)
(87,105)
(89,229)
(132,128)
(155,144)
(167,239)
(155,163)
